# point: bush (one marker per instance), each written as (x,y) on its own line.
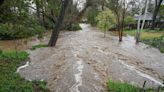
(38,46)
(129,20)
(91,14)
(9,31)
(106,20)
(72,27)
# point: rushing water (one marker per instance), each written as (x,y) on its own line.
(78,77)
(132,68)
(23,66)
(22,44)
(82,61)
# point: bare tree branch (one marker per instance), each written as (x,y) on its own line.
(49,17)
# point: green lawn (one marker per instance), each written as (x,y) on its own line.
(121,87)
(125,87)
(152,38)
(10,81)
(145,34)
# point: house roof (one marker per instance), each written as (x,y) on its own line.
(147,17)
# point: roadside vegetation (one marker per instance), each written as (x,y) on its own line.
(153,38)
(10,31)
(10,81)
(38,46)
(121,87)
(125,87)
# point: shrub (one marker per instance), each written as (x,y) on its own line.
(9,31)
(106,20)
(91,14)
(38,46)
(72,27)
(129,20)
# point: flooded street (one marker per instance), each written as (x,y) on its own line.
(83,61)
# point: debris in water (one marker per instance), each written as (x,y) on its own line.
(23,66)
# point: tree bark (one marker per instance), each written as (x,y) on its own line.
(143,22)
(146,10)
(38,11)
(56,30)
(122,22)
(118,25)
(138,25)
(1,2)
(157,7)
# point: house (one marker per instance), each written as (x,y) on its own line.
(147,18)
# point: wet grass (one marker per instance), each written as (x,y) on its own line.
(151,37)
(38,46)
(146,34)
(121,87)
(10,81)
(125,87)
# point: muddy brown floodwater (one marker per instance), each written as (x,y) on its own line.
(84,60)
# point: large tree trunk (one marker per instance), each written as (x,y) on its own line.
(44,8)
(122,22)
(56,30)
(140,27)
(1,2)
(38,11)
(118,25)
(157,7)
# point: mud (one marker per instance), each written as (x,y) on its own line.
(84,60)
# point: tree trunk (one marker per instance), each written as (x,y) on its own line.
(56,30)
(146,9)
(157,7)
(138,25)
(1,2)
(118,25)
(38,11)
(143,22)
(122,22)
(44,7)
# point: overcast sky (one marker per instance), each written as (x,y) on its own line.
(80,4)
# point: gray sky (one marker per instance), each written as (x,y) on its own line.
(80,4)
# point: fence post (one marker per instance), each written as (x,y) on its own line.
(144,90)
(158,89)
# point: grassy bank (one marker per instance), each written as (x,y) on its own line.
(121,87)
(10,81)
(124,87)
(152,38)
(38,46)
(146,34)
